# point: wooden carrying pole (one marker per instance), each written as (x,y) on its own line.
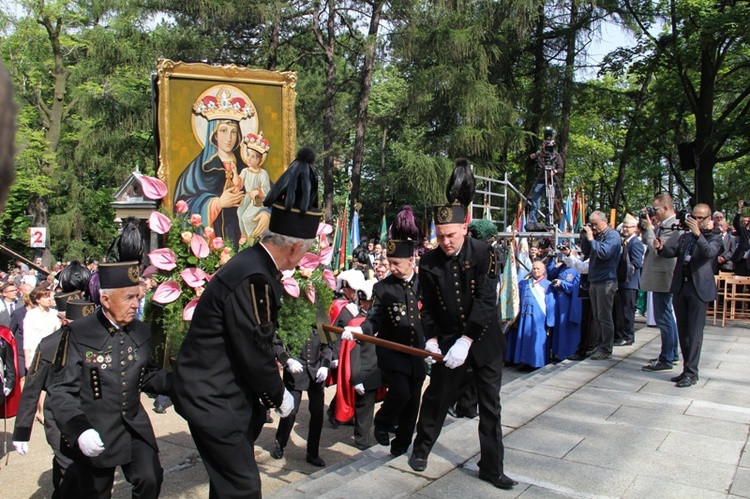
(386,344)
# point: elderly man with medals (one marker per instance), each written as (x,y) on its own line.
(460,316)
(101,365)
(226,368)
(395,316)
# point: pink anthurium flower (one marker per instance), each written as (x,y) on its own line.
(324,229)
(167,292)
(193,277)
(163,259)
(310,292)
(325,255)
(329,278)
(187,312)
(150,271)
(159,222)
(310,261)
(199,246)
(153,188)
(290,283)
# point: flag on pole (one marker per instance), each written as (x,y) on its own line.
(383,231)
(523,261)
(354,236)
(433,233)
(487,214)
(566,221)
(510,301)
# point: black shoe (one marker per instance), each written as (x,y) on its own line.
(361,446)
(591,352)
(382,437)
(623,343)
(470,414)
(417,463)
(576,356)
(334,422)
(687,381)
(452,413)
(278,450)
(398,451)
(501,482)
(315,460)
(600,356)
(160,409)
(269,419)
(657,367)
(677,378)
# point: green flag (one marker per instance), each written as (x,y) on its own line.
(383,231)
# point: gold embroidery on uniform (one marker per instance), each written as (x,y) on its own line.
(255,304)
(268,305)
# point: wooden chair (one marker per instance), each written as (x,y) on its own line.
(736,299)
(716,308)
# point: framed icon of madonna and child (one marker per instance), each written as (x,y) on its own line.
(225,133)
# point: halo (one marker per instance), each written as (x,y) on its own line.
(199,123)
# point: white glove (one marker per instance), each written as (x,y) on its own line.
(6,391)
(359,388)
(348,330)
(21,447)
(287,405)
(432,347)
(321,375)
(457,354)
(90,443)
(294,366)
(334,363)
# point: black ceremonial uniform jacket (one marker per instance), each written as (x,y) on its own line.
(36,381)
(395,316)
(460,298)
(97,377)
(313,356)
(227,361)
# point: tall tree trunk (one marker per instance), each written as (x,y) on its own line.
(364,98)
(273,43)
(328,45)
(536,103)
(568,82)
(704,127)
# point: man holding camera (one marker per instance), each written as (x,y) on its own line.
(657,276)
(628,280)
(549,165)
(693,286)
(741,254)
(602,243)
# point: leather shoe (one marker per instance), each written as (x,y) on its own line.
(278,450)
(501,482)
(397,451)
(600,356)
(160,409)
(657,367)
(334,422)
(470,414)
(623,343)
(576,356)
(269,419)
(452,413)
(382,437)
(677,378)
(417,463)
(687,381)
(361,446)
(315,460)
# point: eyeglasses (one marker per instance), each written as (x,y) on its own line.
(700,219)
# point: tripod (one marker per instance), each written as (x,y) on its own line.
(549,188)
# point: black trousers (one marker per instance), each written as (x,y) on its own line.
(690,312)
(441,392)
(316,403)
(588,331)
(364,411)
(144,473)
(625,304)
(229,458)
(64,473)
(467,397)
(400,407)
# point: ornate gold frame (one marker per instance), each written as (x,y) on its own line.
(172,80)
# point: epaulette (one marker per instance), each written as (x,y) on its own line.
(61,355)
(260,298)
(493,270)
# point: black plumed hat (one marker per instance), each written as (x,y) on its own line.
(119,275)
(293,199)
(74,277)
(402,235)
(459,193)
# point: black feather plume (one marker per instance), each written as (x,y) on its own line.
(297,187)
(74,277)
(404,227)
(462,185)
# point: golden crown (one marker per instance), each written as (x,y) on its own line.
(223,106)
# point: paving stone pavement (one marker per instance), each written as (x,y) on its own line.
(575,429)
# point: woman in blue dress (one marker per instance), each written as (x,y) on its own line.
(567,333)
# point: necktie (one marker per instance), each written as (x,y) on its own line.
(10,308)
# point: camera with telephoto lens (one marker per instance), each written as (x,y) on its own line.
(549,146)
(681,216)
(648,210)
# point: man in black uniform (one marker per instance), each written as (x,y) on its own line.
(460,316)
(64,476)
(394,316)
(101,366)
(226,365)
(308,372)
